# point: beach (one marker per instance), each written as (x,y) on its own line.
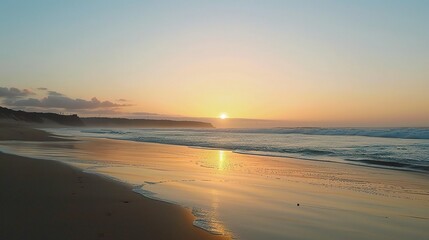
(43,199)
(23,132)
(214,120)
(228,194)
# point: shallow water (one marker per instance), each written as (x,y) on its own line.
(398,148)
(256,197)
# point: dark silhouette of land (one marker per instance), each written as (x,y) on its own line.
(41,118)
(74,120)
(125,122)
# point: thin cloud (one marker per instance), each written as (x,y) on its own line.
(53,93)
(50,100)
(14,92)
(145,114)
(60,101)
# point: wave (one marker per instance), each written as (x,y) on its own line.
(106,131)
(397,165)
(300,143)
(405,133)
(387,158)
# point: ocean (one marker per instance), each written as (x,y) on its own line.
(398,148)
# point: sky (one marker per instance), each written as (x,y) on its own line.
(345,63)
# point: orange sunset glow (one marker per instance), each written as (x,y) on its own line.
(214,119)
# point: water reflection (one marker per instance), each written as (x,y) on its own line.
(221,165)
(254,196)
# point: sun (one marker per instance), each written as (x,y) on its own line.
(223,116)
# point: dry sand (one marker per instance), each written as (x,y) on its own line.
(42,199)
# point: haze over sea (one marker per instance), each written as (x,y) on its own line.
(306,178)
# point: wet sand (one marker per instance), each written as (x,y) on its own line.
(23,132)
(41,199)
(252,197)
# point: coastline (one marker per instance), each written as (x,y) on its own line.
(401,153)
(43,199)
(248,194)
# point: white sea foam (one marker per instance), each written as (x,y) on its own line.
(206,220)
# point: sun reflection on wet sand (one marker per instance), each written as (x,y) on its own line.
(221,165)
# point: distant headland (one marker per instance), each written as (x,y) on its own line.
(54,119)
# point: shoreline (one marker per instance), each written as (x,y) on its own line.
(360,159)
(343,162)
(52,200)
(184,177)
